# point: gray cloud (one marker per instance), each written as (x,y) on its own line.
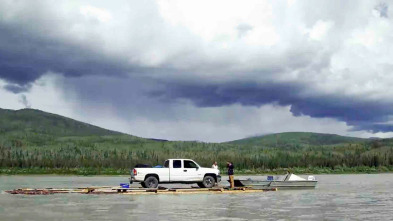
(15,88)
(157,64)
(24,58)
(243,29)
(138,112)
(363,115)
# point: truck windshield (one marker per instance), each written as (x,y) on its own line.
(166,164)
(189,164)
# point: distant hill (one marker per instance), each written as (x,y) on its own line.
(40,122)
(297,138)
(26,123)
(34,142)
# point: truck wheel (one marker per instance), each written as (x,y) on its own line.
(208,181)
(201,185)
(143,184)
(151,182)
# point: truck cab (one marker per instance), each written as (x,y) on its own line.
(176,171)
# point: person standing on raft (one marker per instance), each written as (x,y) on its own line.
(215,166)
(230,174)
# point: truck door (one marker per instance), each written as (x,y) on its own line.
(164,172)
(176,171)
(191,171)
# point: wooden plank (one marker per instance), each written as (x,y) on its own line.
(136,191)
(192,190)
(216,189)
(120,188)
(162,191)
(95,187)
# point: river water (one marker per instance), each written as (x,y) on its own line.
(336,197)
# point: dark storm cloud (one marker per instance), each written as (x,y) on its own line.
(373,127)
(16,89)
(362,115)
(25,57)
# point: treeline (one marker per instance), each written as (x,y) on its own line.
(122,152)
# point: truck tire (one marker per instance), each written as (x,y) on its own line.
(143,184)
(151,182)
(208,182)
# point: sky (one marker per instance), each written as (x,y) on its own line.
(210,71)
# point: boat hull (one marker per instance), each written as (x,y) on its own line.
(301,184)
(241,183)
(293,184)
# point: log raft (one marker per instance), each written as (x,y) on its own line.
(137,191)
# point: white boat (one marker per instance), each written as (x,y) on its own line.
(288,181)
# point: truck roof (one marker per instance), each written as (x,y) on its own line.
(180,159)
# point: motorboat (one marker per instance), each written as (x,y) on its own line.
(288,181)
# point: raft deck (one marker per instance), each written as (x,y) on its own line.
(136,191)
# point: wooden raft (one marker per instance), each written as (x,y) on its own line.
(137,191)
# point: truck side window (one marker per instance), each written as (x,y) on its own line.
(166,164)
(177,164)
(189,164)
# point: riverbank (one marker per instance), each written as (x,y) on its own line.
(255,171)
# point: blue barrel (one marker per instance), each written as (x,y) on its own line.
(124,185)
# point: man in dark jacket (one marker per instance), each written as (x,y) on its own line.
(230,174)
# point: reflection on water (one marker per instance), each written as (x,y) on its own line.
(337,197)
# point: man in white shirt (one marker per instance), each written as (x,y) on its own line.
(215,166)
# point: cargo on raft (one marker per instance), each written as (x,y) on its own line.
(137,191)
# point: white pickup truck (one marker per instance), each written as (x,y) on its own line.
(176,171)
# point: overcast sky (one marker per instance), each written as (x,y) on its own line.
(203,70)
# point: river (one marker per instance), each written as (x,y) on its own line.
(336,197)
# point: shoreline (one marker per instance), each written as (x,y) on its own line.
(123,172)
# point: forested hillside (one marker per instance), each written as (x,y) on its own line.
(31,121)
(297,138)
(33,141)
